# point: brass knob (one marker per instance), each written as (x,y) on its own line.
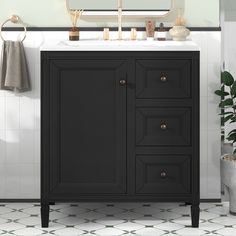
(163,174)
(163,79)
(163,126)
(122,82)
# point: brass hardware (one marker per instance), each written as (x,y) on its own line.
(163,126)
(163,174)
(16,20)
(122,82)
(163,78)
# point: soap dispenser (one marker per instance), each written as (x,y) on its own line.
(161,32)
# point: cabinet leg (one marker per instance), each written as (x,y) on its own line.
(195,211)
(44,215)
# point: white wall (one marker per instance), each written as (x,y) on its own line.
(20,121)
(199,13)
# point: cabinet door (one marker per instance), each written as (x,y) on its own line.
(87,126)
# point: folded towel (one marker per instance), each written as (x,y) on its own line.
(14,73)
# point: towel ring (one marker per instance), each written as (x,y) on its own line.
(16,20)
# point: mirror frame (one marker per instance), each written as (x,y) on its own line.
(126,14)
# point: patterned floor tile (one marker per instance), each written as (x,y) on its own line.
(72,210)
(31,211)
(110,221)
(2,221)
(71,220)
(182,210)
(109,231)
(148,221)
(68,231)
(147,210)
(207,215)
(92,205)
(59,206)
(30,221)
(128,205)
(167,215)
(128,215)
(52,227)
(191,231)
(185,221)
(150,231)
(219,210)
(92,215)
(165,205)
(54,215)
(113,219)
(206,205)
(210,226)
(15,215)
(28,232)
(18,206)
(11,226)
(5,210)
(224,220)
(110,210)
(90,226)
(169,226)
(227,231)
(129,226)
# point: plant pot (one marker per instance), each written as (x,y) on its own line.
(179,33)
(74,34)
(228,178)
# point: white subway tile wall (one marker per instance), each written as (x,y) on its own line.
(20,119)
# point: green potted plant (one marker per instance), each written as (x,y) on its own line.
(228,115)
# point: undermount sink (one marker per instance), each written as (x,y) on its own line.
(107,42)
(119,45)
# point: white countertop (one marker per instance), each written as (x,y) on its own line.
(117,45)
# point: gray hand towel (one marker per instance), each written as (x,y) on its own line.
(14,73)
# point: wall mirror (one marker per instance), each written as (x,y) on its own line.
(130,8)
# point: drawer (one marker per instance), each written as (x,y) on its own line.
(163,126)
(164,174)
(163,78)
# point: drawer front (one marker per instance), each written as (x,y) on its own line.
(163,78)
(163,126)
(164,174)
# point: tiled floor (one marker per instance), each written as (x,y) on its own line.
(116,219)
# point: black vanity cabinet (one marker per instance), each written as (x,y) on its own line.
(119,126)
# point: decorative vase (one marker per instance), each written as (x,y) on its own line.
(228,178)
(179,33)
(74,34)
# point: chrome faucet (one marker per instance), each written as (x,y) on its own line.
(119,19)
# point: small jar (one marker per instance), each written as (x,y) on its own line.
(133,34)
(106,33)
(74,34)
(161,33)
(150,29)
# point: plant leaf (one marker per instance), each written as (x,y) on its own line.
(233,120)
(232,137)
(233,89)
(227,78)
(225,113)
(226,102)
(232,131)
(221,93)
(228,117)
